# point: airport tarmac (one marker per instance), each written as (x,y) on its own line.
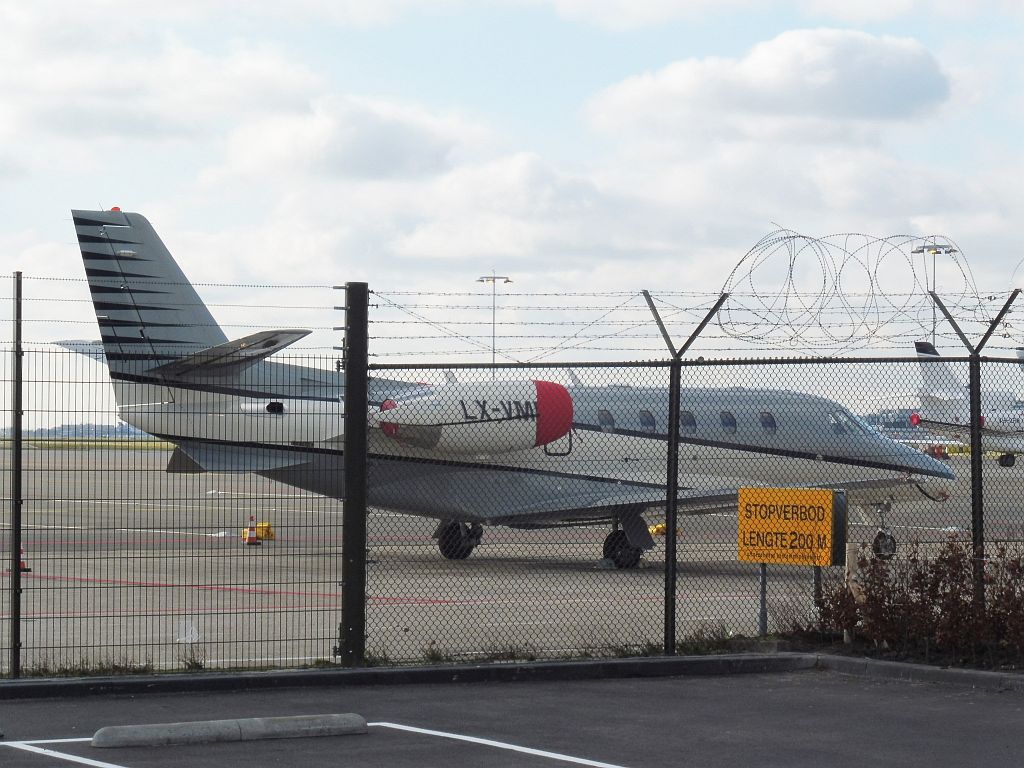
(135,567)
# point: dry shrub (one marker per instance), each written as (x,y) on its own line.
(924,607)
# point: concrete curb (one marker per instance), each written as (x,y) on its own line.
(208,731)
(919,673)
(655,666)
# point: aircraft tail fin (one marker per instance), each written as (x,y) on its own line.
(148,312)
(943,397)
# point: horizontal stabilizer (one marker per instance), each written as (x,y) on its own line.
(93,349)
(231,357)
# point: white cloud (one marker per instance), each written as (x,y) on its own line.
(803,131)
(350,136)
(172,90)
(804,85)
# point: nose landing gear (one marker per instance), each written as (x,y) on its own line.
(884,543)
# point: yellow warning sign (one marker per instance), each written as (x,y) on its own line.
(798,526)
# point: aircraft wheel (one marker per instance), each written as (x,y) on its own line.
(884,544)
(455,541)
(1007,460)
(610,542)
(618,549)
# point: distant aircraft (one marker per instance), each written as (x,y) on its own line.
(946,409)
(523,453)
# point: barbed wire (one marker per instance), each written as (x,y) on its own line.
(781,288)
(790,292)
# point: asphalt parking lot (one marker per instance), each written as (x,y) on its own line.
(794,719)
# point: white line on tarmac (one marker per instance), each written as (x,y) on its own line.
(498,744)
(30,747)
(218,535)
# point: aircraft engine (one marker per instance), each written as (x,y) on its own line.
(485,418)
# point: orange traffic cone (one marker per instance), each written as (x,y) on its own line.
(22,565)
(249,537)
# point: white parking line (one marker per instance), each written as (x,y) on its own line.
(30,747)
(498,744)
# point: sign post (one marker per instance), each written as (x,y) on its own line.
(793,526)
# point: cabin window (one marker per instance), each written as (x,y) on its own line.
(728,422)
(606,420)
(687,423)
(647,423)
(768,422)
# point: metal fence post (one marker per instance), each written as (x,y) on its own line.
(671,504)
(353,533)
(16,500)
(977,488)
(672,461)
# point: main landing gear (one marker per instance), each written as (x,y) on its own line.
(618,549)
(456,540)
(1007,460)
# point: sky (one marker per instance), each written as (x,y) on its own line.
(575,145)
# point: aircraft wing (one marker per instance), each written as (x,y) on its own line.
(962,432)
(496,495)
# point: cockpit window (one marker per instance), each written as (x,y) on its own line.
(843,423)
(768,422)
(647,423)
(687,423)
(606,420)
(728,422)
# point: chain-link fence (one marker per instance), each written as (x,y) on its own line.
(514,512)
(134,558)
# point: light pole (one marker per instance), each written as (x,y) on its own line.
(934,249)
(493,280)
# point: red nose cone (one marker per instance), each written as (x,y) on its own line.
(915,419)
(554,412)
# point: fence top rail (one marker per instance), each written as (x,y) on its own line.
(693,362)
(34,349)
